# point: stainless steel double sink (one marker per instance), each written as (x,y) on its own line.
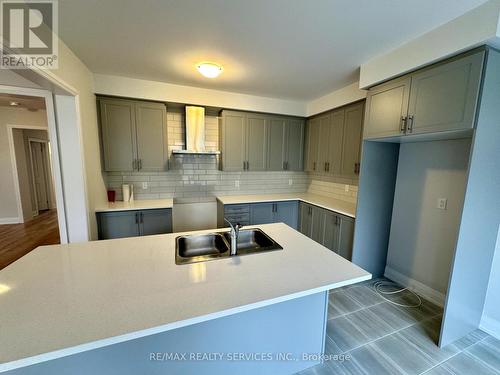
(203,247)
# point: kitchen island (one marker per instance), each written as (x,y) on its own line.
(124,306)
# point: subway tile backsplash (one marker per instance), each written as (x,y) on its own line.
(197,178)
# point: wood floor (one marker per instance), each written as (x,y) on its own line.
(367,335)
(17,240)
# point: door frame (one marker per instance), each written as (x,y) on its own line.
(48,172)
(55,159)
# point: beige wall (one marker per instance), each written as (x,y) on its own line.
(12,116)
(74,73)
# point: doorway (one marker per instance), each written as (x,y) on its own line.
(28,214)
(41,176)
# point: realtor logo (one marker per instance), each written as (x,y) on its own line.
(29,34)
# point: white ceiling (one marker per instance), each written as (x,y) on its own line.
(293,49)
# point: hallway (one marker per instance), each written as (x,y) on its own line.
(17,240)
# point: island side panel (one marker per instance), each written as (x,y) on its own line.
(289,328)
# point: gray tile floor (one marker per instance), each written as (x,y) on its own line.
(377,337)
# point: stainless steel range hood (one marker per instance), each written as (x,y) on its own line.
(195,132)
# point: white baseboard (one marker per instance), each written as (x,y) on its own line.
(490,326)
(423,290)
(10,220)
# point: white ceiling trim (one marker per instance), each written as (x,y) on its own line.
(167,92)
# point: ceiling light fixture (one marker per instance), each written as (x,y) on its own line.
(209,70)
(14,104)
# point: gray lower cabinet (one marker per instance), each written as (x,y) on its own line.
(261,213)
(326,227)
(275,212)
(133,223)
(288,213)
(312,221)
(134,135)
(155,222)
(332,230)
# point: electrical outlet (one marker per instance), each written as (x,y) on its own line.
(346,188)
(290,182)
(442,203)
(237,183)
(144,185)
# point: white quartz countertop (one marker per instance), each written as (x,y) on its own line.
(64,299)
(146,204)
(332,204)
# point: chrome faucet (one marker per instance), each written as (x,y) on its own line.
(235,230)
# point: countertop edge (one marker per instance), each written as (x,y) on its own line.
(28,361)
(138,205)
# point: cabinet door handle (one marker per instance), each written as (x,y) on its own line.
(284,165)
(402,129)
(136,218)
(314,166)
(142,217)
(287,166)
(140,164)
(244,165)
(248,165)
(410,123)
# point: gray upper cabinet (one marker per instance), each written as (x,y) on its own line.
(386,108)
(439,98)
(294,144)
(334,159)
(352,137)
(445,97)
(334,141)
(324,142)
(312,145)
(118,135)
(256,142)
(152,144)
(277,144)
(285,144)
(134,135)
(259,142)
(233,141)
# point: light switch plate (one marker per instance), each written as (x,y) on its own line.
(144,185)
(237,183)
(346,188)
(442,203)
(290,182)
